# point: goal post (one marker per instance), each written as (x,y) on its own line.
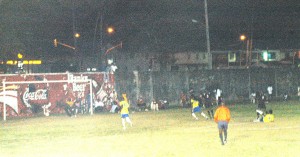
(6,83)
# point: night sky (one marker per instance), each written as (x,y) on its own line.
(145,25)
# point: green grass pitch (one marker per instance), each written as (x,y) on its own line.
(171,132)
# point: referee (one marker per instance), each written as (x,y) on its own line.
(222,117)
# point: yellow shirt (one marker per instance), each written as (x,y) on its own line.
(70,103)
(195,103)
(124,104)
(269,118)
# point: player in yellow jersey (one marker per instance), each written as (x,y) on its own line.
(196,108)
(269,117)
(124,105)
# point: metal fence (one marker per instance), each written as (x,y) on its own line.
(236,84)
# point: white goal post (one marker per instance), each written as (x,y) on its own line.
(4,83)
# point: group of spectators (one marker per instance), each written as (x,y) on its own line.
(73,105)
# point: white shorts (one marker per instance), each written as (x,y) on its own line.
(259,111)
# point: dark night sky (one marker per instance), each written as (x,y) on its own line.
(147,25)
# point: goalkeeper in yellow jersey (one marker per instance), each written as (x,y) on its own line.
(124,105)
(269,117)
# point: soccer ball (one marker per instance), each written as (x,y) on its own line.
(146,110)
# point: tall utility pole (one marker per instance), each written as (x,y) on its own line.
(209,56)
(97,54)
(94,41)
(78,57)
(100,54)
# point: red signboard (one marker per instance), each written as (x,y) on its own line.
(29,94)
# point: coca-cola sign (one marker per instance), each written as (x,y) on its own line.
(39,94)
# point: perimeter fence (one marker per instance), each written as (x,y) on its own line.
(236,84)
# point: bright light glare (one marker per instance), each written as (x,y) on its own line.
(20,56)
(110,30)
(14,62)
(77,35)
(242,37)
(265,56)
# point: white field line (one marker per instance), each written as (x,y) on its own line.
(248,127)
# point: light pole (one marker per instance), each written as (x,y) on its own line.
(75,48)
(100,17)
(109,30)
(20,63)
(78,57)
(248,55)
(98,55)
(77,52)
(209,56)
(56,43)
(248,59)
(108,50)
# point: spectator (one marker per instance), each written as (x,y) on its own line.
(77,105)
(114,107)
(270,92)
(285,97)
(183,99)
(252,98)
(69,107)
(218,95)
(99,105)
(298,93)
(88,102)
(141,104)
(154,105)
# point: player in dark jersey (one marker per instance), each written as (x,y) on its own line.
(209,105)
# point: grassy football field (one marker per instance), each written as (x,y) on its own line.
(171,132)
